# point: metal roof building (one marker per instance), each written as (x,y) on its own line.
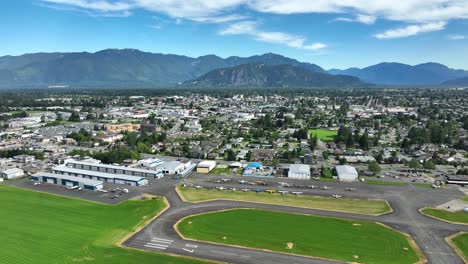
(101,176)
(66,180)
(107,168)
(299,171)
(346,173)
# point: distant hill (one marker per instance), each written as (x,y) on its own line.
(120,68)
(458,82)
(402,74)
(264,75)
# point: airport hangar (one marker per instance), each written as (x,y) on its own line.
(112,169)
(69,181)
(101,176)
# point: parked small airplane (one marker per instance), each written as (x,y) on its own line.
(226,180)
(299,186)
(270,191)
(258,190)
(336,196)
(283,192)
(282,183)
(221,188)
(242,181)
(351,189)
(297,193)
(198,186)
(218,181)
(312,186)
(325,187)
(245,190)
(233,189)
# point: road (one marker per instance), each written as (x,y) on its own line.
(428,233)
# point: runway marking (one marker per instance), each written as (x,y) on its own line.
(189,250)
(158,245)
(162,240)
(150,246)
(440,253)
(191,246)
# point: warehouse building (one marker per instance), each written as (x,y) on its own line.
(206,166)
(457,179)
(101,176)
(346,173)
(299,171)
(106,168)
(69,181)
(12,173)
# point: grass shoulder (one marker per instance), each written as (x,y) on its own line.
(356,206)
(459,242)
(458,217)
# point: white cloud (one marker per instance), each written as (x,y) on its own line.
(411,30)
(290,40)
(456,37)
(218,19)
(360,18)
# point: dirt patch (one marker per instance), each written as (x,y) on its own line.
(356,224)
(289,245)
(224,238)
(356,256)
(190,222)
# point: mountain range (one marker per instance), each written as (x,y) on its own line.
(134,68)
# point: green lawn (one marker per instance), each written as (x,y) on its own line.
(465,198)
(382,182)
(331,238)
(461,242)
(323,134)
(358,206)
(457,217)
(220,171)
(42,228)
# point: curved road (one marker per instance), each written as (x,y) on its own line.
(428,233)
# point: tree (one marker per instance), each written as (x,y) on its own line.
(325,155)
(364,141)
(414,164)
(342,161)
(429,165)
(374,167)
(59,117)
(231,156)
(326,173)
(74,117)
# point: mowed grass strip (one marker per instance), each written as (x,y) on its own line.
(382,182)
(456,217)
(357,206)
(322,237)
(461,244)
(323,134)
(42,228)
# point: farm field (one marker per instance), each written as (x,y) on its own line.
(461,244)
(456,217)
(42,228)
(323,134)
(358,206)
(323,237)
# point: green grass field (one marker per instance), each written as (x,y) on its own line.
(457,217)
(358,206)
(461,242)
(331,238)
(464,199)
(323,134)
(382,182)
(42,228)
(220,171)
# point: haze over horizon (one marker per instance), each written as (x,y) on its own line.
(331,33)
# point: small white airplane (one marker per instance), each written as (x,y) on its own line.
(251,183)
(198,186)
(233,189)
(218,181)
(282,183)
(242,181)
(221,188)
(226,180)
(245,190)
(283,192)
(350,189)
(435,186)
(312,186)
(325,187)
(337,196)
(297,193)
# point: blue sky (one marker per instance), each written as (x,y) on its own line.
(330,33)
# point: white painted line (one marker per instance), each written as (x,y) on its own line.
(188,250)
(162,239)
(191,245)
(163,248)
(158,245)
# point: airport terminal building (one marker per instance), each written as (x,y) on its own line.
(101,176)
(113,169)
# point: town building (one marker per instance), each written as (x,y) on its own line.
(69,181)
(206,166)
(106,168)
(12,173)
(346,173)
(101,176)
(299,171)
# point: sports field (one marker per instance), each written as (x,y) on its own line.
(456,217)
(461,244)
(358,206)
(323,134)
(42,228)
(330,238)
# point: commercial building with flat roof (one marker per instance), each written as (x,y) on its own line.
(113,169)
(69,181)
(206,166)
(101,176)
